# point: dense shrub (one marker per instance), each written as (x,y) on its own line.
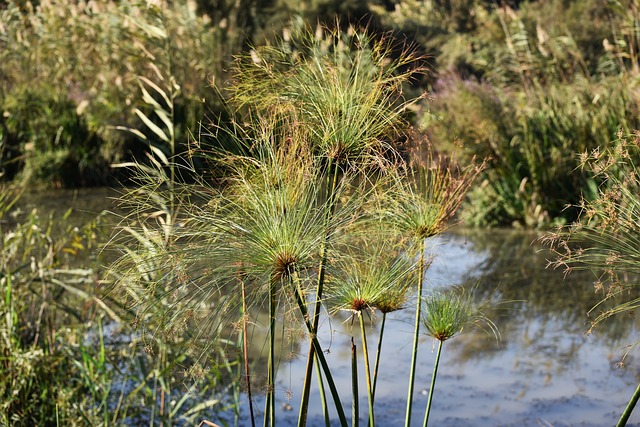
(78,65)
(532,139)
(531,96)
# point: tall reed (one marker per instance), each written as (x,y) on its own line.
(70,73)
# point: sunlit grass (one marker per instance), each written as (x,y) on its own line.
(345,87)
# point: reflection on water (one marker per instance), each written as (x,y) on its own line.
(545,371)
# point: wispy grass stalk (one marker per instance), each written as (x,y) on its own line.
(446,314)
(605,240)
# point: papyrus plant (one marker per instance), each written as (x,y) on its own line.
(376,276)
(315,167)
(446,314)
(419,205)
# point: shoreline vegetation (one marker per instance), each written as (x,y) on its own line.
(527,85)
(276,180)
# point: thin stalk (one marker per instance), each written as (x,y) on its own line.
(367,369)
(378,352)
(172,168)
(355,409)
(172,138)
(416,336)
(245,351)
(155,397)
(433,383)
(627,411)
(236,385)
(166,394)
(272,353)
(331,199)
(269,410)
(323,396)
(321,359)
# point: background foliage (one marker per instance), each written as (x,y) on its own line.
(528,84)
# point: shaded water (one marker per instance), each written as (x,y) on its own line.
(543,372)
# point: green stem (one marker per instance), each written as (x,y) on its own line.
(416,336)
(323,395)
(367,369)
(378,352)
(627,411)
(270,405)
(331,199)
(245,351)
(355,409)
(433,384)
(321,359)
(236,384)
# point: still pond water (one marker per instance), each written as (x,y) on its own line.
(544,371)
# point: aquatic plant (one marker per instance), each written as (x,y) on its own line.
(446,314)
(418,206)
(303,187)
(346,89)
(374,277)
(605,239)
(345,86)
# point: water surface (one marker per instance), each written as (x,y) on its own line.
(545,371)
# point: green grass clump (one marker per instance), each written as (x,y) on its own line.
(532,138)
